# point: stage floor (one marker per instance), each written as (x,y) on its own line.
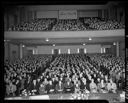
(92,96)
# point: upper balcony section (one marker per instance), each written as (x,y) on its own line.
(64,21)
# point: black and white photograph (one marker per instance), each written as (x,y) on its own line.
(65,52)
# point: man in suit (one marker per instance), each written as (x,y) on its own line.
(54,82)
(83,84)
(59,87)
(38,85)
(18,87)
(68,87)
(33,87)
(111,87)
(50,87)
(42,89)
(102,86)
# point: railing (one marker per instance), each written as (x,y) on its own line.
(63,34)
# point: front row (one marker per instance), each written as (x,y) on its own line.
(68,87)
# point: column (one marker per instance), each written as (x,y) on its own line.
(104,50)
(21,51)
(6,50)
(52,51)
(117,49)
(103,13)
(78,51)
(109,13)
(7,21)
(101,50)
(9,47)
(35,15)
(100,13)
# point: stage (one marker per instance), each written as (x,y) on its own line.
(112,98)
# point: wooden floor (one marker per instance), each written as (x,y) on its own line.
(112,98)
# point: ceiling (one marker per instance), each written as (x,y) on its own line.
(68,41)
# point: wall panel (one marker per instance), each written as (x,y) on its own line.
(90,13)
(47,14)
(64,49)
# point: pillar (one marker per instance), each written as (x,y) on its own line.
(117,49)
(34,14)
(6,50)
(21,51)
(101,51)
(103,13)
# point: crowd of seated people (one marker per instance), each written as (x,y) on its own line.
(69,25)
(20,73)
(34,25)
(54,24)
(64,73)
(102,24)
(113,66)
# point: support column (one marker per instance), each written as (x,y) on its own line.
(21,51)
(6,50)
(35,16)
(9,48)
(117,49)
(103,13)
(101,50)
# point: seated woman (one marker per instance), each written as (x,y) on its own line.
(10,89)
(59,87)
(93,86)
(111,87)
(42,89)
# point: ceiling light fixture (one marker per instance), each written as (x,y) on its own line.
(90,38)
(6,40)
(23,45)
(114,43)
(47,39)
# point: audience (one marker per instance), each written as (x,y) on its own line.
(34,25)
(101,24)
(54,24)
(64,73)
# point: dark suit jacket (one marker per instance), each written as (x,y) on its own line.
(49,87)
(82,86)
(32,87)
(68,88)
(59,87)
